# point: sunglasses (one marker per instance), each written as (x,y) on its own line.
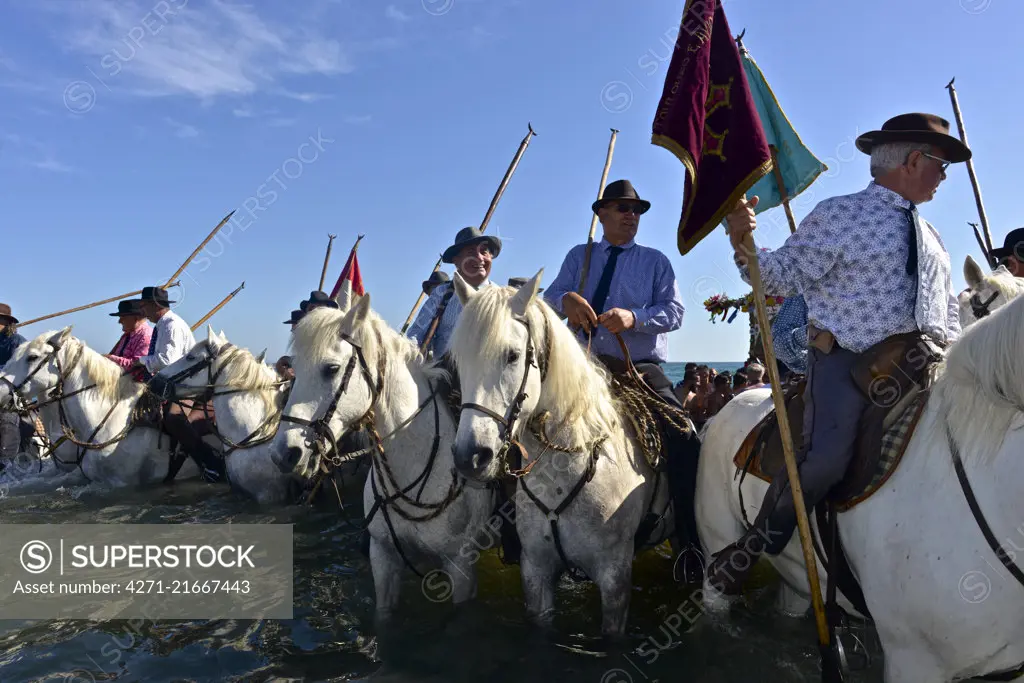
(943,164)
(628,207)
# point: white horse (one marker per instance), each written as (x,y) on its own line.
(585,500)
(350,366)
(97,400)
(986,293)
(944,606)
(247,396)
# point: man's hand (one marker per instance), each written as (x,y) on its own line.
(741,222)
(578,312)
(137,363)
(617,320)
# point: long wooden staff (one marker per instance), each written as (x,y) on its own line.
(490,211)
(803,525)
(593,219)
(92,305)
(327,259)
(779,181)
(198,249)
(219,306)
(981,244)
(970,172)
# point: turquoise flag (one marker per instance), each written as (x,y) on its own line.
(799,167)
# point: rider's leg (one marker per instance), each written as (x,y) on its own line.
(834,405)
(177,423)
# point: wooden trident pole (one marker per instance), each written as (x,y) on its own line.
(593,219)
(219,306)
(198,249)
(970,171)
(803,525)
(327,259)
(783,193)
(487,217)
(92,305)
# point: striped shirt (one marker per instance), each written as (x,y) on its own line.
(418,330)
(848,259)
(643,282)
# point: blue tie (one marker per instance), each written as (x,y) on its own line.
(912,254)
(604,285)
(152,342)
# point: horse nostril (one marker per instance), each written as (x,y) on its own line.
(482,458)
(292,455)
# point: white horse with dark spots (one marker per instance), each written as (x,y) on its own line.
(527,384)
(90,397)
(986,293)
(352,369)
(947,601)
(247,397)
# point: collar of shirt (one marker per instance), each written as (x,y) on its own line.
(606,245)
(888,196)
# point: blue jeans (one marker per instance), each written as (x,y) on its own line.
(833,408)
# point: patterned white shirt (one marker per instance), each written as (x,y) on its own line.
(442,335)
(848,259)
(172,339)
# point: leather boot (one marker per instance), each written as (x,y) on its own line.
(211,465)
(732,565)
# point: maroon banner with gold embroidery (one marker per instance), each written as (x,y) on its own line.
(707,118)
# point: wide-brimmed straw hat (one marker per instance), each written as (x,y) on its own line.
(926,128)
(468,236)
(128,307)
(5,314)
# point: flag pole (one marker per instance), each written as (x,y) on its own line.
(779,181)
(198,249)
(830,668)
(327,259)
(219,306)
(593,219)
(970,171)
(92,305)
(487,217)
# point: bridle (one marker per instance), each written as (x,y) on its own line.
(981,309)
(326,443)
(511,416)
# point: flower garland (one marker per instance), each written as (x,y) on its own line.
(721,305)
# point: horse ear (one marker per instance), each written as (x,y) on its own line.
(260,358)
(344,296)
(526,294)
(973,272)
(58,338)
(462,289)
(357,314)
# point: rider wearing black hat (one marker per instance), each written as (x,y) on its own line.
(1012,254)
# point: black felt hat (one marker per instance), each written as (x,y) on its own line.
(1013,245)
(468,236)
(926,128)
(157,295)
(129,307)
(318,298)
(438,277)
(296,317)
(620,190)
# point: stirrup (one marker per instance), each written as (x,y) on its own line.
(692,562)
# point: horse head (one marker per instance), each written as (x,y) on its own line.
(193,374)
(986,293)
(35,368)
(334,389)
(497,347)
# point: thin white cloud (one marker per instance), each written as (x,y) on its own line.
(52,165)
(282,122)
(306,97)
(357,120)
(243,112)
(182,130)
(33,153)
(393,12)
(203,50)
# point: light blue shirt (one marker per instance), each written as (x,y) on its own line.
(442,336)
(643,283)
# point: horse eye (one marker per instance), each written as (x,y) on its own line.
(190,357)
(513,356)
(331,371)
(32,357)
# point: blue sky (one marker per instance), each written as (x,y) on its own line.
(130,127)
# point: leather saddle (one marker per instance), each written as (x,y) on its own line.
(895,375)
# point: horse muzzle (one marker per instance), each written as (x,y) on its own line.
(475,462)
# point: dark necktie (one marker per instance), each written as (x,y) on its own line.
(124,344)
(152,342)
(604,285)
(912,242)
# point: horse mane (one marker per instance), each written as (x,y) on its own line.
(981,390)
(240,370)
(575,391)
(112,383)
(316,335)
(1004,282)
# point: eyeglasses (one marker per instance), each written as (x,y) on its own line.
(626,207)
(943,164)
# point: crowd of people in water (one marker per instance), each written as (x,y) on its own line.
(704,391)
